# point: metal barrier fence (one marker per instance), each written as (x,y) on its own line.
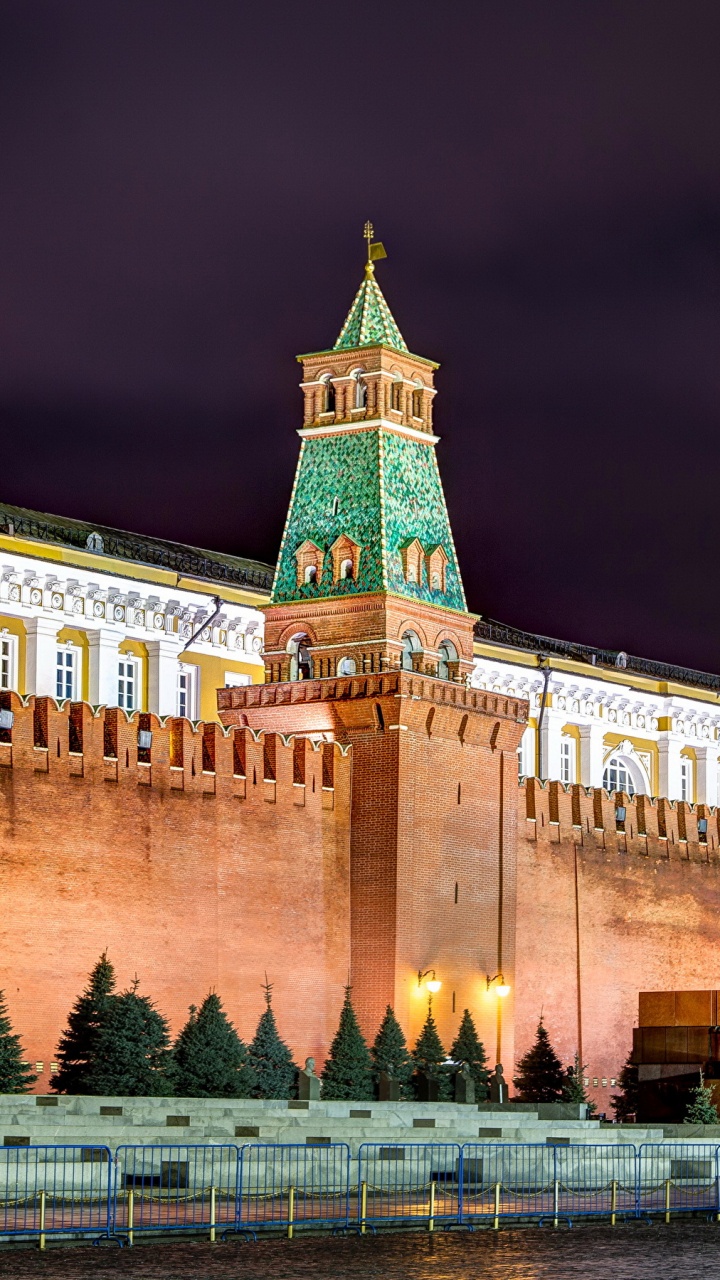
(290,1186)
(547,1182)
(409,1182)
(53,1190)
(217,1189)
(678,1176)
(169,1188)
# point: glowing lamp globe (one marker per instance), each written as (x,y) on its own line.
(502,989)
(433,985)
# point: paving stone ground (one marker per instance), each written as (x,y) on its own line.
(689,1251)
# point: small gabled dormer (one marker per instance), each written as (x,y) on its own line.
(412,561)
(345,558)
(436,560)
(309,560)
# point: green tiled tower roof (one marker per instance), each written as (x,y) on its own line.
(370,320)
(382,490)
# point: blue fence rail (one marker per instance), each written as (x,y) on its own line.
(216,1189)
(54,1190)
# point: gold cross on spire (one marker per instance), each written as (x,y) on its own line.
(375,249)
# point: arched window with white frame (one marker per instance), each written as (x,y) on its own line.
(347,667)
(623,772)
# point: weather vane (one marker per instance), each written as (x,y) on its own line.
(375,248)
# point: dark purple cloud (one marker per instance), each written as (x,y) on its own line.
(182,198)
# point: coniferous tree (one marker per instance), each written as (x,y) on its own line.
(15,1074)
(540,1076)
(429,1056)
(468,1047)
(270,1062)
(132,1052)
(390,1053)
(625,1103)
(701,1109)
(209,1058)
(76,1050)
(347,1074)
(574,1089)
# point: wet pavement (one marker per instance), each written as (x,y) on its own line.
(631,1252)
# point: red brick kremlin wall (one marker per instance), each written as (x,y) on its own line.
(189,867)
(604,913)
(194,871)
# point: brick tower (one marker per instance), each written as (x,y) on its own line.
(368,642)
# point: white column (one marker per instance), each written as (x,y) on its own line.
(162,676)
(41,656)
(669,749)
(103,682)
(550,743)
(706,782)
(592,743)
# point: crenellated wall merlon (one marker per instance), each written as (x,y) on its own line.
(591,817)
(107,745)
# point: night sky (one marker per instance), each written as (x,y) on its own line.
(183,192)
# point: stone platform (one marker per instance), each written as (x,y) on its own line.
(113,1122)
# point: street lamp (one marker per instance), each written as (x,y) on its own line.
(433,984)
(502,989)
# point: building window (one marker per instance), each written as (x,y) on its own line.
(301,664)
(447,666)
(359,390)
(128,684)
(568,752)
(410,645)
(526,754)
(617,776)
(686,779)
(66,673)
(235,679)
(186,692)
(347,667)
(310,574)
(328,395)
(417,401)
(396,394)
(346,569)
(8,661)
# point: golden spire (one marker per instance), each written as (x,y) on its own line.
(375,249)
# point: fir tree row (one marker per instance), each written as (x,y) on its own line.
(117,1043)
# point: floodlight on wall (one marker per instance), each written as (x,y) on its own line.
(502,989)
(144,739)
(433,984)
(702,824)
(620,813)
(7,718)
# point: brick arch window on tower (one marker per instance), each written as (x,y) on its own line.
(301,663)
(417,399)
(327,394)
(411,650)
(396,392)
(359,389)
(309,559)
(436,560)
(346,558)
(448,662)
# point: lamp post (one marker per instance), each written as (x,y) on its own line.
(501,990)
(433,984)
